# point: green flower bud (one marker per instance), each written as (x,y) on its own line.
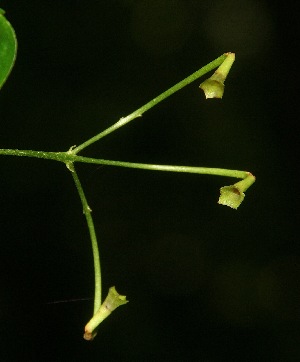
(233,195)
(213,87)
(112,301)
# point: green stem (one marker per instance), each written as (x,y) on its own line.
(87,212)
(138,113)
(169,168)
(55,156)
(67,157)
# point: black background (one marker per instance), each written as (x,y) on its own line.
(205,283)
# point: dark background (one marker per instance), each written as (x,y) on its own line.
(205,283)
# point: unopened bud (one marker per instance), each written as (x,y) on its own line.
(213,87)
(112,301)
(233,195)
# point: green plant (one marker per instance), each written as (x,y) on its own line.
(231,196)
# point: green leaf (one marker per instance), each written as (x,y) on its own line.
(8,48)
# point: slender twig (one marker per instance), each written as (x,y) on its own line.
(138,113)
(67,157)
(87,212)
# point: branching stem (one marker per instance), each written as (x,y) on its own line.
(230,195)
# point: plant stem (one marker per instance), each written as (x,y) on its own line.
(170,168)
(87,212)
(67,157)
(55,156)
(138,113)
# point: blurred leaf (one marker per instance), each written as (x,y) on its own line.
(8,48)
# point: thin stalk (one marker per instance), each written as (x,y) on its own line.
(170,168)
(55,156)
(67,157)
(138,113)
(87,212)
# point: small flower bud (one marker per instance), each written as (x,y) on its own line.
(233,195)
(213,87)
(112,301)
